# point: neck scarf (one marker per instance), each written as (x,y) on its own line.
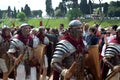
(115,40)
(41,37)
(26,40)
(78,44)
(7,38)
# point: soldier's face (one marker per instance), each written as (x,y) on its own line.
(118,34)
(7,32)
(80,29)
(77,31)
(26,30)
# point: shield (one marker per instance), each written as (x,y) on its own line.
(9,63)
(39,53)
(93,62)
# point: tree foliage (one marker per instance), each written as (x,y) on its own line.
(0,14)
(74,13)
(21,16)
(69,7)
(105,9)
(27,10)
(75,4)
(37,13)
(22,10)
(61,10)
(84,7)
(14,13)
(71,3)
(90,7)
(58,13)
(49,8)
(114,9)
(9,11)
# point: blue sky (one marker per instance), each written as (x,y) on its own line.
(34,4)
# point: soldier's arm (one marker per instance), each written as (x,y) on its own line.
(11,51)
(62,50)
(57,67)
(107,62)
(110,53)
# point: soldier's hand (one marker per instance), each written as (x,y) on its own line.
(116,68)
(16,61)
(66,74)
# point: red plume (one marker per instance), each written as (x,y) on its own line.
(40,23)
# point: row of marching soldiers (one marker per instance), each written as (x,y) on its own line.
(26,53)
(87,53)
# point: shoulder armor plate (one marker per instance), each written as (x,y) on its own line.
(68,45)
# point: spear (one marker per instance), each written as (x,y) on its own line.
(13,67)
(47,22)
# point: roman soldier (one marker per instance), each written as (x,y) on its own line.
(20,51)
(4,46)
(70,50)
(44,41)
(112,56)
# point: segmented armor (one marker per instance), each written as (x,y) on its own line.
(18,48)
(65,55)
(62,50)
(113,52)
(68,50)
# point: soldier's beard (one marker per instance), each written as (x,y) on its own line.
(24,33)
(76,34)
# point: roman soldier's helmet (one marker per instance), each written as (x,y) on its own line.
(23,25)
(5,27)
(118,29)
(22,28)
(74,25)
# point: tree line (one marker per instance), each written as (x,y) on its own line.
(70,8)
(77,8)
(26,11)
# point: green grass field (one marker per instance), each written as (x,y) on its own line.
(54,23)
(104,23)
